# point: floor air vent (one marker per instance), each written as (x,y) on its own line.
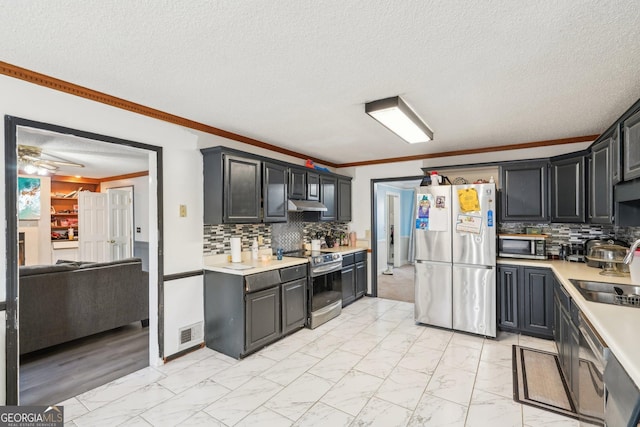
(189,336)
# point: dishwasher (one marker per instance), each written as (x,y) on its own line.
(622,406)
(591,394)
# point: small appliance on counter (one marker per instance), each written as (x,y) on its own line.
(527,246)
(610,257)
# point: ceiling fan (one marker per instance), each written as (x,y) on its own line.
(33,160)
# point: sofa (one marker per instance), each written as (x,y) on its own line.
(71,300)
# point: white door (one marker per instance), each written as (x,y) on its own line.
(93,231)
(120,224)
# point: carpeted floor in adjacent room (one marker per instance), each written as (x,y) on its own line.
(398,286)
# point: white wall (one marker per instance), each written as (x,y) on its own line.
(182,180)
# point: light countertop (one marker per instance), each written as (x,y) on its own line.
(222,266)
(617,325)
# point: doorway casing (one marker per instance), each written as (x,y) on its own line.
(11,279)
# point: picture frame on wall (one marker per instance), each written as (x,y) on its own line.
(28,198)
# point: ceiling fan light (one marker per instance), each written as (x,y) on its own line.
(30,169)
(394,114)
(43,171)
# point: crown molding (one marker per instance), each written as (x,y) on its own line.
(103,98)
(536,144)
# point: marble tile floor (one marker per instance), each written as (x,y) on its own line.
(371,366)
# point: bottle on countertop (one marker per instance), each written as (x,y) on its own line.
(254,249)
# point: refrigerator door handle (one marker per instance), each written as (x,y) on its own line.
(485,267)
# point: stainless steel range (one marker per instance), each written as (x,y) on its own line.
(324,286)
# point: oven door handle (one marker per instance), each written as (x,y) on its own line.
(323,269)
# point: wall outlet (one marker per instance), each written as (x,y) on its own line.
(138,230)
(183,211)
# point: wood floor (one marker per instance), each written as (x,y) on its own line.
(397,286)
(53,375)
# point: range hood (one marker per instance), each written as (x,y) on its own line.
(306,206)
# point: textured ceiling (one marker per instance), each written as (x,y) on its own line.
(296,74)
(100,159)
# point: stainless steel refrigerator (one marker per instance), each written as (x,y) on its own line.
(455,257)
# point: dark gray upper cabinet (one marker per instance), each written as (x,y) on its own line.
(631,132)
(600,186)
(274,192)
(616,156)
(344,200)
(297,184)
(328,197)
(313,186)
(567,190)
(232,188)
(524,191)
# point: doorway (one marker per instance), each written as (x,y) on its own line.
(79,141)
(392,217)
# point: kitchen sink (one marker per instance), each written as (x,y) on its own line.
(608,293)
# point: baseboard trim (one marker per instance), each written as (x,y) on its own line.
(183,352)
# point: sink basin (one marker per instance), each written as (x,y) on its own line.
(605,292)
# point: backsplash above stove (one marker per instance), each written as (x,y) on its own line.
(289,235)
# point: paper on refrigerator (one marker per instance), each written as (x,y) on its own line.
(433,214)
(469,224)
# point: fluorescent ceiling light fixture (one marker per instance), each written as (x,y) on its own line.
(394,114)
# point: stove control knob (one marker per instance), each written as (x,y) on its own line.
(318,259)
(336,256)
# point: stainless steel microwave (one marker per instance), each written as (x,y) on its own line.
(529,246)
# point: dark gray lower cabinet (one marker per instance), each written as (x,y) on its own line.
(262,316)
(537,313)
(508,290)
(361,277)
(525,300)
(566,336)
(354,276)
(348,282)
(239,320)
(294,303)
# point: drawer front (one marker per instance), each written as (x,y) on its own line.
(347,260)
(361,256)
(293,273)
(258,281)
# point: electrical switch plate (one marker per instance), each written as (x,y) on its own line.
(183,211)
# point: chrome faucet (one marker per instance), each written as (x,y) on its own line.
(629,257)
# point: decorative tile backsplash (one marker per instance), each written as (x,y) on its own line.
(217,237)
(573,233)
(294,234)
(289,236)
